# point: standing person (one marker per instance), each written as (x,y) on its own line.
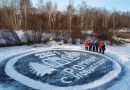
(86,43)
(90,45)
(96,48)
(100,47)
(103,48)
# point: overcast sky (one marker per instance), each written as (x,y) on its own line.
(122,5)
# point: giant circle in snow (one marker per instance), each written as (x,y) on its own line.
(59,69)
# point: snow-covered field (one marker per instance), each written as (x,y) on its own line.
(122,55)
(118,53)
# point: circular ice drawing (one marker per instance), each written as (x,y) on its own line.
(62,69)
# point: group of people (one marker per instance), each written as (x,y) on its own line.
(95,46)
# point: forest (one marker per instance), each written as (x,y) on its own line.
(43,22)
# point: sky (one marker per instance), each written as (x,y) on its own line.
(121,5)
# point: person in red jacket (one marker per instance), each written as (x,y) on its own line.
(100,46)
(90,45)
(86,43)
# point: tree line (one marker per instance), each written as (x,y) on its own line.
(46,18)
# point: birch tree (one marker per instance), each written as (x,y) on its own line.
(70,11)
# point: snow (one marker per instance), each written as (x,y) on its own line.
(7,52)
(122,55)
(21,35)
(124,30)
(119,53)
(89,32)
(6,88)
(10,71)
(2,41)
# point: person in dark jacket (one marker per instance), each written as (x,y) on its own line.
(103,48)
(96,48)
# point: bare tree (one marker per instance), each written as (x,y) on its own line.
(82,14)
(25,7)
(70,11)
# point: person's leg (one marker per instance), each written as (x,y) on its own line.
(96,49)
(90,48)
(102,51)
(87,48)
(93,48)
(99,50)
